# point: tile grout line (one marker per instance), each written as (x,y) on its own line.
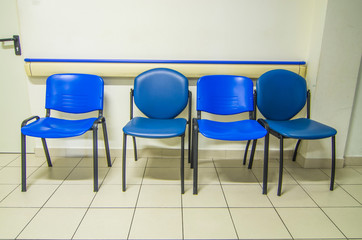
(316,202)
(42,207)
(90,204)
(138,196)
(227,205)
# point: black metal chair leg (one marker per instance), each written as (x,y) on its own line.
(195,157)
(296,150)
(189,145)
(182,164)
(280,181)
(124,162)
(252,154)
(246,152)
(333,170)
(192,148)
(135,148)
(46,151)
(106,143)
(23,163)
(265,169)
(95,159)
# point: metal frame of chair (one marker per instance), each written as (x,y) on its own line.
(61,99)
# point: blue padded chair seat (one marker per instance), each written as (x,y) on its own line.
(302,128)
(155,128)
(57,128)
(231,131)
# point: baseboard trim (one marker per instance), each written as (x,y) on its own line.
(353,161)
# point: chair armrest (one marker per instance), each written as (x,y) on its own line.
(100,119)
(264,123)
(29,119)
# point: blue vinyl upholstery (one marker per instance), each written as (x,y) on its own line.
(73,94)
(224,95)
(161,94)
(67,93)
(282,94)
(221,94)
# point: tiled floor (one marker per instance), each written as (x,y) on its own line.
(60,202)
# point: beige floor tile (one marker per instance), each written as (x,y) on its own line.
(13,220)
(88,162)
(31,161)
(72,196)
(162,176)
(35,196)
(156,223)
(230,163)
(346,175)
(292,196)
(205,163)
(355,191)
(205,176)
(348,220)
(130,162)
(12,175)
(326,198)
(309,223)
(273,176)
(113,196)
(105,223)
(133,176)
(358,169)
(49,175)
(236,176)
(160,196)
(208,196)
(54,223)
(5,190)
(6,159)
(81,175)
(163,162)
(249,195)
(64,161)
(259,223)
(309,176)
(208,223)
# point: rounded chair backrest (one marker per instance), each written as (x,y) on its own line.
(224,94)
(74,93)
(161,93)
(281,94)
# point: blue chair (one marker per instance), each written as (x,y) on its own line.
(281,94)
(161,94)
(74,94)
(224,95)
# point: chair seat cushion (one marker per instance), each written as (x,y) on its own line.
(155,128)
(57,128)
(231,131)
(302,128)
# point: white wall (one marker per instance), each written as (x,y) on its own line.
(354,142)
(337,74)
(199,29)
(14,101)
(166,29)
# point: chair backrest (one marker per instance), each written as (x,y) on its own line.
(74,93)
(224,94)
(161,93)
(281,94)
